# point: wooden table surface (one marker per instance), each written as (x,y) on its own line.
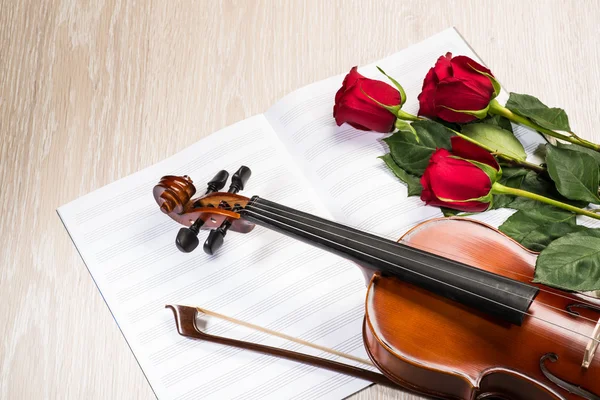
(93,91)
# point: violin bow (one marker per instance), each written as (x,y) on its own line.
(185,320)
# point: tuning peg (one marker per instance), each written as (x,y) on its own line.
(216,238)
(239,179)
(218,182)
(187,238)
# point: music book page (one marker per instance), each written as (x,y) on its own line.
(299,158)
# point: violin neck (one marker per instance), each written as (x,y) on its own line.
(487,292)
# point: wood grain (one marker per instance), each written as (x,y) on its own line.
(93,91)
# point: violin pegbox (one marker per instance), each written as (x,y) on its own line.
(215,211)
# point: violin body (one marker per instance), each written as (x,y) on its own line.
(438,347)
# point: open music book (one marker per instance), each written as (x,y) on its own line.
(299,158)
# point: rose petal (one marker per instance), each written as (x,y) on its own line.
(450,178)
(443,67)
(458,179)
(427,95)
(338,96)
(465,66)
(359,127)
(349,80)
(439,155)
(380,91)
(355,108)
(465,149)
(460,94)
(426,194)
(467,69)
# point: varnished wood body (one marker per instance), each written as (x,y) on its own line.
(435,346)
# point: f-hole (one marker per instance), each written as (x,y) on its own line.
(571,308)
(568,386)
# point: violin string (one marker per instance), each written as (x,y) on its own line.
(411,249)
(431,266)
(436,256)
(431,278)
(428,277)
(385,238)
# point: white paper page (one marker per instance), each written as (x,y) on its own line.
(342,163)
(261,277)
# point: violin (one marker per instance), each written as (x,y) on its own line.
(451,309)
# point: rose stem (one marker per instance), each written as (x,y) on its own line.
(498,109)
(534,167)
(497,188)
(401,114)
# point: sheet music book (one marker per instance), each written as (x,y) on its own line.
(299,158)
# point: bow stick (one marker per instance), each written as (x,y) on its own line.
(185,320)
(284,336)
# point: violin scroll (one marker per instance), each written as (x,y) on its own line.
(173,192)
(215,211)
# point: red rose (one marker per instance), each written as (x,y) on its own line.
(355,108)
(448,179)
(457,83)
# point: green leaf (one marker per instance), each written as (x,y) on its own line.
(513,176)
(571,262)
(537,183)
(405,126)
(538,227)
(530,107)
(412,182)
(500,121)
(575,173)
(540,238)
(540,151)
(413,155)
(498,139)
(580,149)
(409,154)
(519,225)
(433,134)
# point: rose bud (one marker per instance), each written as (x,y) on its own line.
(457,90)
(461,180)
(353,105)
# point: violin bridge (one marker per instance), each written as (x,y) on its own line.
(591,347)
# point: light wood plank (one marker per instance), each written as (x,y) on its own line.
(93,91)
